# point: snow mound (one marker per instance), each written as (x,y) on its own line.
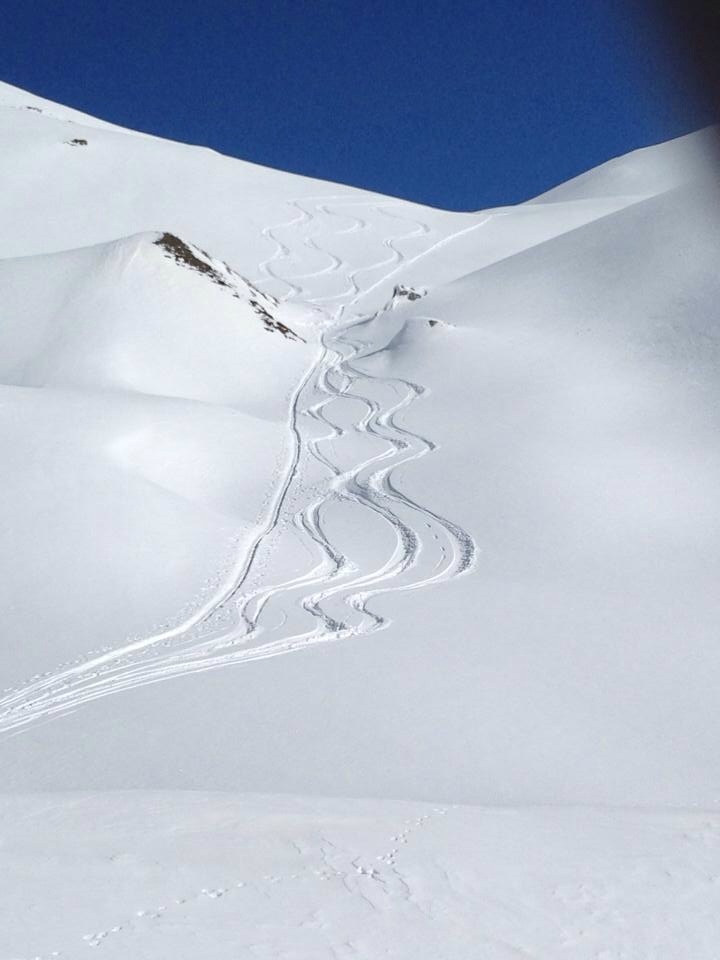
(149,314)
(160,430)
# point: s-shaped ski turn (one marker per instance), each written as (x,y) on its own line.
(349,444)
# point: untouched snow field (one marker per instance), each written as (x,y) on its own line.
(359,581)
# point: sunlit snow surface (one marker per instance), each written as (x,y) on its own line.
(188,875)
(312,491)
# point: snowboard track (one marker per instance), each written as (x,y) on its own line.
(334,596)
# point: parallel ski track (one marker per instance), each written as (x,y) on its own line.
(428,548)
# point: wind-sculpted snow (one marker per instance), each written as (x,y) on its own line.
(299,585)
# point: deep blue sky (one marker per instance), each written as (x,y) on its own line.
(457,104)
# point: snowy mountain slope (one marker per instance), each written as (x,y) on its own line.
(550,513)
(646,172)
(118,184)
(591,490)
(18,99)
(132,473)
(472,559)
(149,314)
(127,424)
(592,502)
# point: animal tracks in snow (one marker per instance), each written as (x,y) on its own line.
(373,881)
(340,531)
(304,878)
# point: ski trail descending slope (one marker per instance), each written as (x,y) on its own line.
(302,584)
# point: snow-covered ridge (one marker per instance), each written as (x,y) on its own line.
(646,172)
(264,305)
(148,313)
(14,98)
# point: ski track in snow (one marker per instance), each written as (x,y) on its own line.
(331,597)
